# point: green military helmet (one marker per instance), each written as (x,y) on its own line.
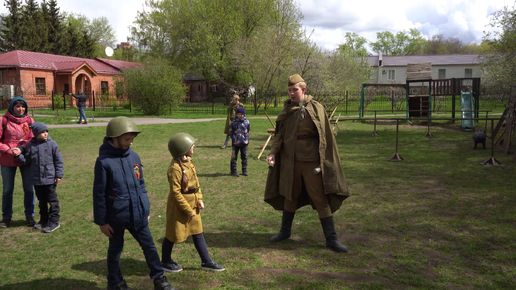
(180,144)
(119,126)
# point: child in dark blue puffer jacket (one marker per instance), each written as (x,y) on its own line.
(239,131)
(120,202)
(46,169)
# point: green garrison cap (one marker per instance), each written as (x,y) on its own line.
(294,79)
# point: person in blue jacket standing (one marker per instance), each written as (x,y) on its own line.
(44,158)
(120,202)
(239,131)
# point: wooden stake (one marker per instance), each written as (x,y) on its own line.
(270,120)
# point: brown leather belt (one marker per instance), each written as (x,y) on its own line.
(307,137)
(191,190)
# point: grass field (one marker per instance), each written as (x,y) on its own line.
(438,220)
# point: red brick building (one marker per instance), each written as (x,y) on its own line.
(36,76)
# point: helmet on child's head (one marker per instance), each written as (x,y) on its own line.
(180,144)
(119,126)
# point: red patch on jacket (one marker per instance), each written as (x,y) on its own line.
(137,171)
(25,128)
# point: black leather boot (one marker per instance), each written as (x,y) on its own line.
(331,236)
(286,225)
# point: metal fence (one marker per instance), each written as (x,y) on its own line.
(347,103)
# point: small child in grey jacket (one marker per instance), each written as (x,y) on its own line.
(46,167)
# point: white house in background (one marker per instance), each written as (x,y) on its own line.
(393,69)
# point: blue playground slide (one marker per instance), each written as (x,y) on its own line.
(466,104)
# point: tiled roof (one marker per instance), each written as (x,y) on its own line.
(447,59)
(45,61)
(119,64)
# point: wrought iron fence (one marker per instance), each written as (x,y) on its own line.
(347,103)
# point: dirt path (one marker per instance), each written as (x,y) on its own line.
(102,122)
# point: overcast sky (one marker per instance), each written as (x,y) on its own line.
(331,19)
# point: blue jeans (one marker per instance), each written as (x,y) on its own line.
(82,115)
(8,174)
(116,245)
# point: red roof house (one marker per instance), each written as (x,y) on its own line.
(36,76)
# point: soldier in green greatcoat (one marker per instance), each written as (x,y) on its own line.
(306,164)
(232,107)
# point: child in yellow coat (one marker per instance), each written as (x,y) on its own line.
(184,205)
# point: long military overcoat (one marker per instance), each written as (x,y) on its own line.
(180,206)
(231,115)
(281,177)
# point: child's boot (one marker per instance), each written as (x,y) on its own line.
(122,285)
(244,171)
(162,284)
(233,166)
(5,223)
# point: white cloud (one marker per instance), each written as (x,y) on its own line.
(464,19)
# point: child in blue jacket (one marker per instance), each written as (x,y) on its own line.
(46,169)
(239,131)
(120,202)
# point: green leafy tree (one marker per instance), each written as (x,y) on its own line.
(200,35)
(403,43)
(354,44)
(156,87)
(264,58)
(12,26)
(53,21)
(498,63)
(34,30)
(77,40)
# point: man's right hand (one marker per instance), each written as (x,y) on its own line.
(107,230)
(270,158)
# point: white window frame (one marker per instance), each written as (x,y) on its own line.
(441,73)
(392,74)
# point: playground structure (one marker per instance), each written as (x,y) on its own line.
(421,90)
(508,117)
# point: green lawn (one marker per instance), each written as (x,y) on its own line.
(438,220)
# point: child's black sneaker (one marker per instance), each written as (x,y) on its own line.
(162,284)
(30,221)
(5,223)
(122,285)
(51,227)
(212,266)
(171,267)
(41,224)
